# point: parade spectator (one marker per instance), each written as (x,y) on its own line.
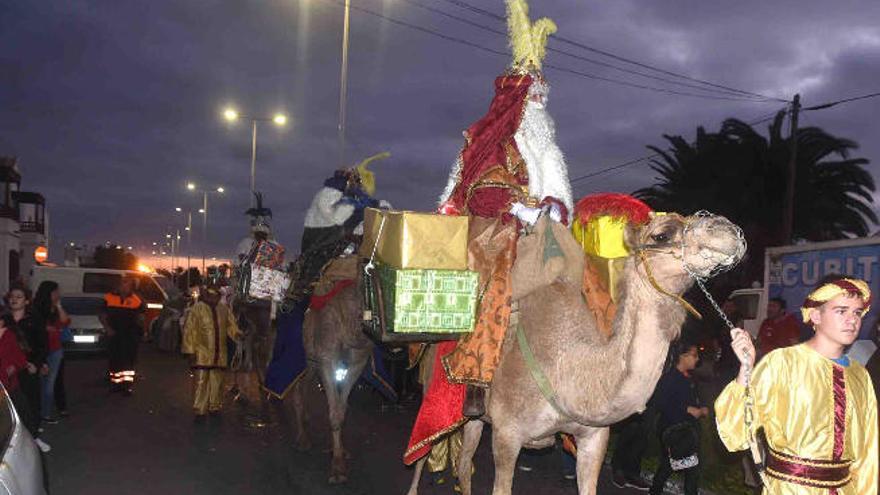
(12,363)
(32,340)
(680,409)
(779,329)
(632,441)
(207,326)
(122,318)
(47,307)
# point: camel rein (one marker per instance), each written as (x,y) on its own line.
(541,379)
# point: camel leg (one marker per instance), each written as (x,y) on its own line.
(590,454)
(505,450)
(336,412)
(473,431)
(303,442)
(358,361)
(337,402)
(417,475)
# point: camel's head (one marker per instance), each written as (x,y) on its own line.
(680,249)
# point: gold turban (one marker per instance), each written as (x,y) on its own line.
(829,291)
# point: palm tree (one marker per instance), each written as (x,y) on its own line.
(741,174)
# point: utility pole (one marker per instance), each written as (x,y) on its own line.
(343,82)
(788,207)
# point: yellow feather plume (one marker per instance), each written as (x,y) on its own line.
(528,41)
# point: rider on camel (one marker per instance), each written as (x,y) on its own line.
(508,173)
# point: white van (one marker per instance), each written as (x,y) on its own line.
(82,293)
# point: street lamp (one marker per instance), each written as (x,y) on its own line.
(188,230)
(279,119)
(204,211)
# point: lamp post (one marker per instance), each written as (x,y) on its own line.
(204,211)
(279,119)
(343,82)
(188,230)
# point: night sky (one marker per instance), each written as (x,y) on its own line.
(111,107)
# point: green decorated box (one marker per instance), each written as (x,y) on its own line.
(428,301)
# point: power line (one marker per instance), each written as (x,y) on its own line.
(838,102)
(580,57)
(558,68)
(583,46)
(635,161)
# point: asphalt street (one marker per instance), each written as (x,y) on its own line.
(148,443)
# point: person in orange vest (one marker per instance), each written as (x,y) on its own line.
(123,320)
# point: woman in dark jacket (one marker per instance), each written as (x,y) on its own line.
(676,400)
(31,336)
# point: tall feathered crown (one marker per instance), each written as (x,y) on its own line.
(368,179)
(528,40)
(259,210)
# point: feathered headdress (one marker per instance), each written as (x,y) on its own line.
(527,40)
(368,179)
(259,210)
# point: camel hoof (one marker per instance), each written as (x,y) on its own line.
(303,444)
(337,479)
(338,471)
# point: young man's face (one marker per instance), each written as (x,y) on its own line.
(839,319)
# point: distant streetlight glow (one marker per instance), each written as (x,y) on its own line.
(220,190)
(191,186)
(178,209)
(230,115)
(201,210)
(280,119)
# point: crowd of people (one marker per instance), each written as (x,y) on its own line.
(32,331)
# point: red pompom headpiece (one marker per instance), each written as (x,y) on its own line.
(612,204)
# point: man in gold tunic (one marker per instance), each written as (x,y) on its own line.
(817,409)
(207,326)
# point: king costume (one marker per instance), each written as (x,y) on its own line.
(819,415)
(207,326)
(508,172)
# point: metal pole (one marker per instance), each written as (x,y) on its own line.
(343,83)
(204,232)
(177,258)
(253,162)
(189,228)
(173,259)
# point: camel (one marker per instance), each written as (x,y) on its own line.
(597,380)
(337,351)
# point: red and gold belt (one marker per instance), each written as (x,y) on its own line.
(808,472)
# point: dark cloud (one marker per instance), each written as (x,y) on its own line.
(113,106)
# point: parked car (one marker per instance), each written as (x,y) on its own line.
(83,281)
(21,469)
(88,333)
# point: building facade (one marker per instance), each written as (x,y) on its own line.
(24,225)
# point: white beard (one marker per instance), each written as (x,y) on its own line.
(452,182)
(536,141)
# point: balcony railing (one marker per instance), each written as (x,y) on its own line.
(36,227)
(8,212)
